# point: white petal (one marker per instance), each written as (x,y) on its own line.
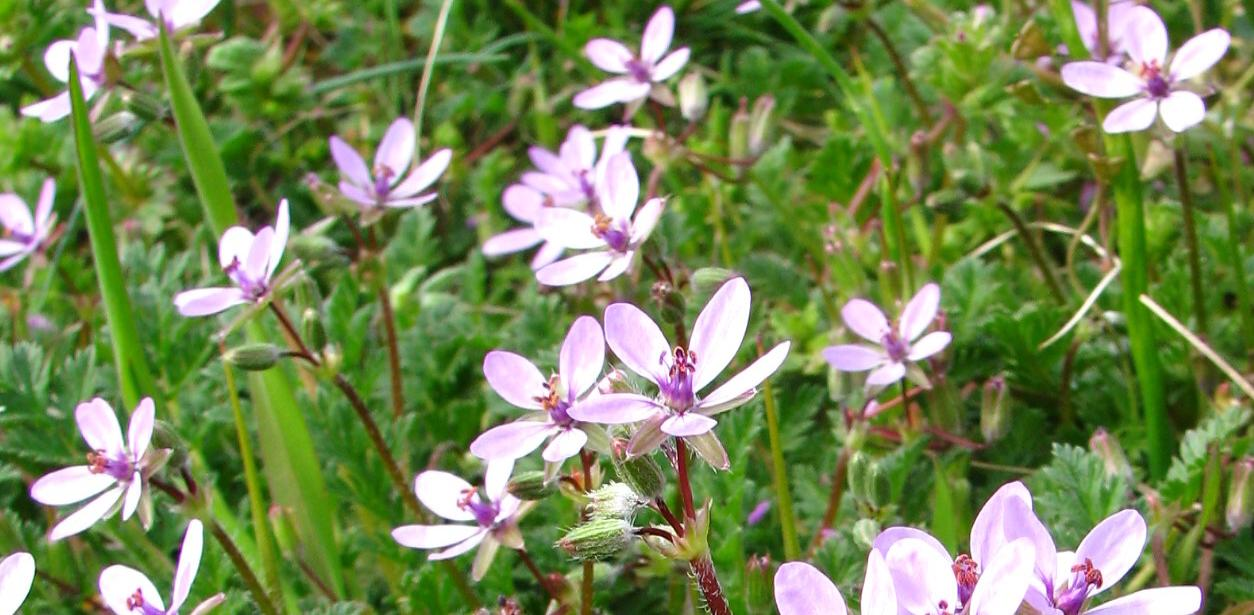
(1114,546)
(929,345)
(440,492)
(461,547)
(800,589)
(886,375)
(671,64)
(99,426)
(719,330)
(1199,53)
(565,445)
(688,424)
(69,485)
(139,431)
(424,174)
(609,92)
(865,319)
(396,150)
(119,583)
(433,536)
(86,516)
(582,356)
(1101,80)
(657,34)
(1146,37)
(282,228)
(748,378)
(636,340)
(352,166)
(919,312)
(1155,601)
(511,440)
(606,54)
(509,242)
(133,492)
(1137,114)
(1182,110)
(17,572)
(189,563)
(574,269)
(569,228)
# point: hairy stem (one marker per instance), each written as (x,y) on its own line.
(241,566)
(685,487)
(707,582)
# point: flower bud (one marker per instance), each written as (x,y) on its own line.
(879,486)
(738,133)
(144,107)
(1113,459)
(117,127)
(642,474)
(530,486)
(864,533)
(1240,489)
(758,583)
(317,249)
(761,120)
(164,438)
(694,97)
(597,539)
(284,532)
(706,280)
(613,501)
(615,381)
(256,357)
(994,412)
(311,325)
(859,475)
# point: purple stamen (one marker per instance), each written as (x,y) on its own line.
(615,236)
(1084,577)
(640,71)
(967,573)
(677,388)
(383,181)
(485,514)
(896,347)
(119,468)
(136,602)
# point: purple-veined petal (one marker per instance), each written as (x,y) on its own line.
(522,203)
(1176,600)
(1021,522)
(139,431)
(800,589)
(878,595)
(1101,80)
(582,356)
(440,492)
(130,500)
(544,183)
(517,380)
(234,246)
(575,269)
(357,194)
(282,228)
(657,34)
(1199,53)
(687,424)
(433,536)
(922,576)
(189,563)
(17,572)
(546,255)
(1182,110)
(208,604)
(615,409)
(608,55)
(989,532)
(511,440)
(1145,36)
(919,312)
(719,330)
(259,254)
(622,187)
(748,378)
(496,478)
(99,426)
(566,444)
(865,319)
(87,516)
(206,301)
(396,150)
(460,547)
(1004,580)
(886,375)
(509,242)
(671,64)
(568,227)
(636,340)
(612,91)
(854,358)
(119,583)
(1131,116)
(890,536)
(648,436)
(424,174)
(69,485)
(646,220)
(15,215)
(89,53)
(615,141)
(1114,546)
(708,447)
(929,345)
(352,166)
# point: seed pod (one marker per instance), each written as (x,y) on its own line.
(117,127)
(1240,508)
(1113,458)
(143,106)
(694,97)
(530,486)
(642,474)
(670,302)
(613,501)
(253,357)
(597,539)
(864,533)
(859,475)
(879,487)
(758,582)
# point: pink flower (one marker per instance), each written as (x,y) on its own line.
(89,50)
(249,260)
(569,178)
(611,233)
(388,184)
(456,500)
(127,591)
(17,572)
(897,345)
(118,469)
(176,14)
(680,374)
(1117,14)
(641,73)
(1157,84)
(22,234)
(800,589)
(519,382)
(748,6)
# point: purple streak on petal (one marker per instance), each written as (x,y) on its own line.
(719,330)
(1101,80)
(1199,53)
(511,440)
(575,269)
(863,318)
(517,380)
(637,341)
(615,409)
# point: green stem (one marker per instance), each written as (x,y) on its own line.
(792,549)
(424,83)
(241,566)
(895,237)
(1029,240)
(1190,240)
(1236,260)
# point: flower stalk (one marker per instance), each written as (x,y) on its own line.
(1190,240)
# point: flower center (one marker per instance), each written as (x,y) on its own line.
(640,70)
(603,226)
(136,603)
(17,236)
(1156,85)
(896,347)
(254,289)
(554,404)
(677,389)
(100,463)
(1083,577)
(485,514)
(967,572)
(383,181)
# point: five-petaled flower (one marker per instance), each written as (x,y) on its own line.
(1157,84)
(681,373)
(127,591)
(800,589)
(17,572)
(611,233)
(641,74)
(452,498)
(89,49)
(175,14)
(22,234)
(567,178)
(897,345)
(390,183)
(119,469)
(520,383)
(249,260)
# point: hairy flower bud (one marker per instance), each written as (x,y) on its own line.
(117,127)
(758,583)
(613,501)
(994,409)
(598,539)
(761,120)
(706,280)
(143,106)
(858,474)
(738,132)
(530,486)
(670,302)
(864,533)
(642,474)
(1113,459)
(694,97)
(311,325)
(1240,509)
(317,249)
(255,357)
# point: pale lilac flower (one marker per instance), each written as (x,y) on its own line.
(248,260)
(758,513)
(127,591)
(519,382)
(89,49)
(897,345)
(390,183)
(642,73)
(1117,14)
(22,234)
(611,234)
(748,7)
(17,572)
(567,178)
(454,499)
(680,374)
(1157,85)
(800,589)
(118,469)
(175,14)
